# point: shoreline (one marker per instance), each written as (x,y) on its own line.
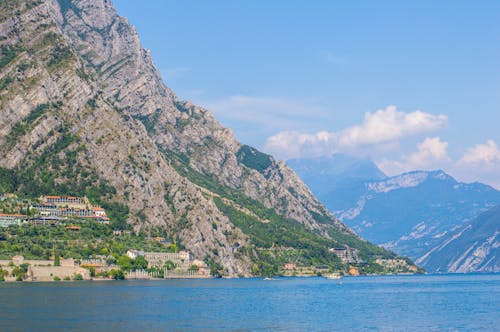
(236,277)
(274,278)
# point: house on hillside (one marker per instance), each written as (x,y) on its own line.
(131,253)
(12,219)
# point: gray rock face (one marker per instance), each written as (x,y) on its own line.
(76,85)
(473,247)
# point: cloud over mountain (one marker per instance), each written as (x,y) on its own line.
(480,163)
(385,126)
(485,154)
(430,153)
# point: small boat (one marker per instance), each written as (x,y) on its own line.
(333,276)
(267,278)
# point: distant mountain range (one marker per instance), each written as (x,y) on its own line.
(474,247)
(412,213)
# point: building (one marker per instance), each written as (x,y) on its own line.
(12,219)
(69,207)
(49,273)
(413,268)
(70,201)
(99,211)
(158,259)
(395,264)
(45,220)
(134,253)
(290,266)
(162,240)
(346,254)
(341,253)
(353,271)
(17,260)
(99,264)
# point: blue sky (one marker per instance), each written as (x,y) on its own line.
(410,85)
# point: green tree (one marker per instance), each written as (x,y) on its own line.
(125,263)
(173,247)
(3,274)
(116,274)
(24,267)
(140,263)
(110,260)
(169,265)
(19,273)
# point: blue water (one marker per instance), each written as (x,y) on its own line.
(390,303)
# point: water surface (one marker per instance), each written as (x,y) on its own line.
(386,303)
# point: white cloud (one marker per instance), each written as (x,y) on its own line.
(292,144)
(486,154)
(383,128)
(279,113)
(255,118)
(431,153)
(431,149)
(390,125)
(480,163)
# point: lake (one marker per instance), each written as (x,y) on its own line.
(381,303)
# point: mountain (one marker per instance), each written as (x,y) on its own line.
(409,213)
(84,111)
(337,180)
(336,168)
(473,247)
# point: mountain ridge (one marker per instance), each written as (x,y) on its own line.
(86,112)
(410,213)
(473,247)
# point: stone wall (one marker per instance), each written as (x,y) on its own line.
(182,258)
(29,261)
(48,273)
(39,262)
(5,262)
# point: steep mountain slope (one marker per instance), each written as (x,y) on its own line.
(409,213)
(84,111)
(473,247)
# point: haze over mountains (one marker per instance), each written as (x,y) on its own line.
(84,111)
(412,213)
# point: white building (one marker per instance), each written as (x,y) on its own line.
(134,253)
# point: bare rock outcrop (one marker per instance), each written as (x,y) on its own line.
(83,106)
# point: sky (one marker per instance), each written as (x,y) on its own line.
(411,85)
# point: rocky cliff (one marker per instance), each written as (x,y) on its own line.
(473,247)
(84,111)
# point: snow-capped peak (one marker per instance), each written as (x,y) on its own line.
(406,180)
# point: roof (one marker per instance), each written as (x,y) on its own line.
(13,215)
(73,227)
(70,197)
(92,265)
